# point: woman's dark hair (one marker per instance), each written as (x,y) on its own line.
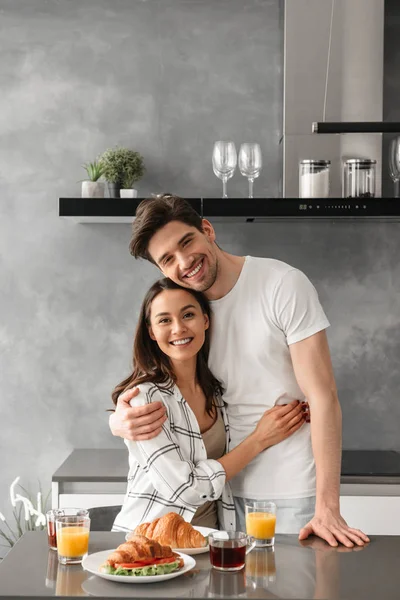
(150,364)
(154,213)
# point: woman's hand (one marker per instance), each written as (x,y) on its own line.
(279,422)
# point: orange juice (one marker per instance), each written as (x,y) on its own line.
(260,525)
(72,541)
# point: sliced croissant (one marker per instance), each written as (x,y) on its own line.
(171,530)
(140,548)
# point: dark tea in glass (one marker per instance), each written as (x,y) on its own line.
(228,549)
(223,555)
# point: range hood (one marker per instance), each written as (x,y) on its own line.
(240,210)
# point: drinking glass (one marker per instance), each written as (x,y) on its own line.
(224,161)
(228,549)
(250,163)
(72,539)
(261,521)
(394,164)
(51,516)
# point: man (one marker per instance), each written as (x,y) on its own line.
(268,347)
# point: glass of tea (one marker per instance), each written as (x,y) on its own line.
(261,521)
(51,516)
(228,549)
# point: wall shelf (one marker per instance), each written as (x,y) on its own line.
(240,210)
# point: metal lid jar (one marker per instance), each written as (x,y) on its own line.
(314,178)
(359,178)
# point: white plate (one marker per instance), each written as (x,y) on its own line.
(192,551)
(93,562)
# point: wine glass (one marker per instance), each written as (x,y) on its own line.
(394,164)
(250,163)
(224,160)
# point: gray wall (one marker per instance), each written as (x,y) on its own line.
(74,82)
(391,84)
(166,77)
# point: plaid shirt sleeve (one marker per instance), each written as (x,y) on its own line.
(166,460)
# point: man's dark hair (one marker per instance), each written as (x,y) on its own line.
(154,213)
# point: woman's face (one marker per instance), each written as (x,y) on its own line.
(177,324)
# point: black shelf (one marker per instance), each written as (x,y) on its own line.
(250,210)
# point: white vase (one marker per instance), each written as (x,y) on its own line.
(130,193)
(92,189)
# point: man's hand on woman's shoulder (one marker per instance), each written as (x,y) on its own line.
(136,423)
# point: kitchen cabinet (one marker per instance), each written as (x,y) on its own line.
(90,478)
(376,515)
(369,496)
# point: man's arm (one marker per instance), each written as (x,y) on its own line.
(136,423)
(313,369)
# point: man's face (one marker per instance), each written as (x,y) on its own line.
(186,255)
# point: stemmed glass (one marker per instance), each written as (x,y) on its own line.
(394,164)
(224,160)
(250,163)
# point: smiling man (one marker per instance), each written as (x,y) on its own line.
(268,347)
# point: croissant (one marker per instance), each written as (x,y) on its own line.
(140,548)
(171,530)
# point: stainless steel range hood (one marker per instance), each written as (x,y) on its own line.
(241,210)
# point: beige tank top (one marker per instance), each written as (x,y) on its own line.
(214,441)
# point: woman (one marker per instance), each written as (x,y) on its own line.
(185,469)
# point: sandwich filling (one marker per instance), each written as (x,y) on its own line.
(161,566)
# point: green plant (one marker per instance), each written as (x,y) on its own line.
(94,170)
(25,517)
(122,166)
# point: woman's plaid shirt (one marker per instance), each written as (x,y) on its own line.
(171,472)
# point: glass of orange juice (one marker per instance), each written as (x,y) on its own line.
(72,539)
(261,521)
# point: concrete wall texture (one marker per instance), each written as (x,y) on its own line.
(74,81)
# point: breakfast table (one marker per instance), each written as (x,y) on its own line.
(291,569)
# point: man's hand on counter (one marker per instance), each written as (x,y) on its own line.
(136,423)
(329,525)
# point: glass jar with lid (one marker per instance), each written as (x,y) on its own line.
(314,178)
(359,178)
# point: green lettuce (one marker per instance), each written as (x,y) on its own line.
(162,569)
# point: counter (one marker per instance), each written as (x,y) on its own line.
(358,466)
(369,493)
(293,569)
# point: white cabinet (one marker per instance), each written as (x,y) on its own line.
(89,500)
(87,494)
(375,509)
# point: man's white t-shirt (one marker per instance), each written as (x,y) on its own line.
(271,306)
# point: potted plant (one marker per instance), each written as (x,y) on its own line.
(122,168)
(92,187)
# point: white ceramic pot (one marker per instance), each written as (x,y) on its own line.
(92,189)
(131,193)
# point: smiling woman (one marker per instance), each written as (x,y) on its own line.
(169,316)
